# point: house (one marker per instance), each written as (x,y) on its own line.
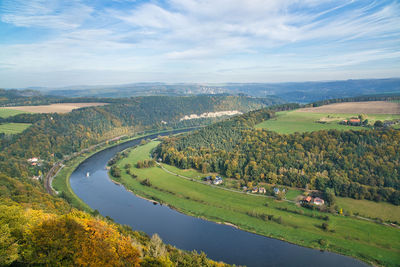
(307,199)
(318,201)
(276,190)
(31,160)
(344,122)
(218,180)
(254,190)
(262,190)
(355,121)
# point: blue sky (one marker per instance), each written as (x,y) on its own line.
(62,43)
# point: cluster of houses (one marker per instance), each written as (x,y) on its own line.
(218,180)
(316,200)
(256,189)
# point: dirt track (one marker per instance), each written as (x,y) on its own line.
(58,108)
(370,107)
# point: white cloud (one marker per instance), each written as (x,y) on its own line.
(193,39)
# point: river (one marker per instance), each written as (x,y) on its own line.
(219,242)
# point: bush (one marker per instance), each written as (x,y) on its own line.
(325,226)
(146,182)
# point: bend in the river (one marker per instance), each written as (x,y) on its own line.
(218,241)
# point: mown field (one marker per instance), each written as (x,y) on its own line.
(287,122)
(358,238)
(367,107)
(57,108)
(370,209)
(13,128)
(5,113)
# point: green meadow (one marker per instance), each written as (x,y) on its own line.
(371,242)
(4,112)
(13,128)
(287,122)
(370,209)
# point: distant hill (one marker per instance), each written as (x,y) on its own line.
(301,92)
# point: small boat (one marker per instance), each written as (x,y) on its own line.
(87,174)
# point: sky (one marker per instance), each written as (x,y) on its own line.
(101,42)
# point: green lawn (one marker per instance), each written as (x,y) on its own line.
(361,239)
(370,209)
(292,194)
(4,112)
(13,128)
(288,122)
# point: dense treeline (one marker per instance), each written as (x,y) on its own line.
(358,164)
(388,97)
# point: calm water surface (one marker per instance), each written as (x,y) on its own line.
(219,242)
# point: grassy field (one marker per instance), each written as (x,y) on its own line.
(292,194)
(4,112)
(370,209)
(358,238)
(288,122)
(58,108)
(13,128)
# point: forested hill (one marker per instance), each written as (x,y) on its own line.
(54,135)
(359,164)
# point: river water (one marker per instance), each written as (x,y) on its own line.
(219,242)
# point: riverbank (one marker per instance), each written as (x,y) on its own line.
(371,242)
(60,182)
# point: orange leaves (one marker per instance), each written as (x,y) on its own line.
(67,240)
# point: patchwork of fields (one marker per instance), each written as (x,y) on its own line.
(328,117)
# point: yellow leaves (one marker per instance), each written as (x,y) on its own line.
(67,240)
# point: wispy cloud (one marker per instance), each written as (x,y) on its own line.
(56,14)
(181,40)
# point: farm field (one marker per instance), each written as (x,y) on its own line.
(370,209)
(54,108)
(13,128)
(249,212)
(5,112)
(287,122)
(369,107)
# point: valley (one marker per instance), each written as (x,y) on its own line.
(251,212)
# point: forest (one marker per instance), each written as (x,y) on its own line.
(359,164)
(38,229)
(52,136)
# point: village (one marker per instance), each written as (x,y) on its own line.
(278,193)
